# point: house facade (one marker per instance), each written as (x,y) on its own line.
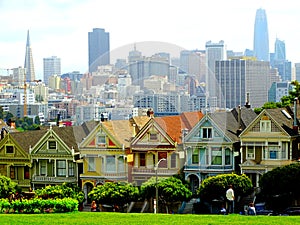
(103,154)
(157,148)
(15,162)
(53,157)
(212,146)
(270,141)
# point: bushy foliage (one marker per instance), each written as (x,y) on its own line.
(281,185)
(170,189)
(215,187)
(7,186)
(37,205)
(61,191)
(114,193)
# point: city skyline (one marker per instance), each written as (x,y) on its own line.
(61,27)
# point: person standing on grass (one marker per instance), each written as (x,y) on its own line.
(230,199)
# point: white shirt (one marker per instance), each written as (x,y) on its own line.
(230,194)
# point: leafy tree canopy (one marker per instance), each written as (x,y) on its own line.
(61,191)
(7,187)
(170,189)
(215,187)
(114,193)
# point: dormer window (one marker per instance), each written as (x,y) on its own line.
(265,126)
(207,132)
(101,140)
(9,149)
(52,145)
(153,137)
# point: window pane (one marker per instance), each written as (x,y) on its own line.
(142,159)
(110,164)
(195,156)
(71,168)
(227,156)
(91,164)
(61,167)
(216,156)
(9,149)
(173,160)
(52,144)
(43,167)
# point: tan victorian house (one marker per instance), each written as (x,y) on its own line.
(270,141)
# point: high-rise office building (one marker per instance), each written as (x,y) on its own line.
(28,65)
(261,36)
(99,49)
(238,77)
(214,52)
(279,61)
(52,67)
(297,71)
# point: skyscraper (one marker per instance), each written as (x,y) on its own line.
(214,52)
(52,66)
(98,49)
(28,65)
(261,36)
(279,61)
(237,77)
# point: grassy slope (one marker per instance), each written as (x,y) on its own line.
(90,218)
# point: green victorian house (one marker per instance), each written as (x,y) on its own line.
(53,157)
(14,159)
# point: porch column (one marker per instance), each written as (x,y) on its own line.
(54,167)
(67,168)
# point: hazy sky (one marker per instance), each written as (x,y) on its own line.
(60,27)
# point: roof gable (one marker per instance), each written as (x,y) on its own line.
(57,141)
(279,123)
(152,134)
(17,152)
(108,134)
(195,135)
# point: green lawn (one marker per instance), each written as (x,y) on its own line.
(90,218)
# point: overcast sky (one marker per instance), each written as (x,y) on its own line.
(60,27)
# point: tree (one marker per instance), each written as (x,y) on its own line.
(215,187)
(7,187)
(114,193)
(280,186)
(66,190)
(37,120)
(171,190)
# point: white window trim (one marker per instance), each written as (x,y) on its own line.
(265,126)
(247,153)
(202,132)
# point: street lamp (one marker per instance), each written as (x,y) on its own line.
(156,188)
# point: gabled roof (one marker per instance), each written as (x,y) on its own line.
(66,134)
(82,131)
(121,130)
(277,115)
(226,122)
(28,139)
(173,125)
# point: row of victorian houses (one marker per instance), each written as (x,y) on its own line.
(191,143)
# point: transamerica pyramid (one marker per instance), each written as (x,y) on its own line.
(28,65)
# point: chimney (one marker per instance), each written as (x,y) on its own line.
(295,124)
(58,119)
(239,131)
(247,105)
